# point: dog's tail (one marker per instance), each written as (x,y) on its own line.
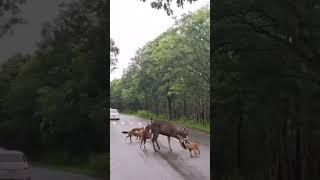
(125,132)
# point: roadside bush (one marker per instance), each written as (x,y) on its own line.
(99,164)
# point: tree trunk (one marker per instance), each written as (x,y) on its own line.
(157,108)
(197,109)
(202,111)
(298,155)
(146,102)
(239,142)
(185,105)
(169,99)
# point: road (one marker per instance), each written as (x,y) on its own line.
(128,161)
(41,173)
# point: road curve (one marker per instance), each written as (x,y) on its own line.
(128,161)
(42,173)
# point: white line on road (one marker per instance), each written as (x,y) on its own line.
(131,122)
(114,123)
(122,122)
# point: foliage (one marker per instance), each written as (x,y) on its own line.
(54,99)
(96,165)
(189,123)
(170,75)
(10,15)
(114,51)
(166,4)
(265,71)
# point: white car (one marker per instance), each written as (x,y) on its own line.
(13,165)
(114,114)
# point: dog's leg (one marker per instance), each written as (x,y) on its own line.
(190,152)
(169,143)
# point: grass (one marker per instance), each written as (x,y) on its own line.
(96,166)
(185,122)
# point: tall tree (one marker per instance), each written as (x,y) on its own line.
(264,60)
(114,51)
(10,12)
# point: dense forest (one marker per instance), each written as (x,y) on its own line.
(170,75)
(265,90)
(55,99)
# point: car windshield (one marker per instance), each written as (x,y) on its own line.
(113,111)
(11,158)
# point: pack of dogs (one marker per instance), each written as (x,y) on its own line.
(153,130)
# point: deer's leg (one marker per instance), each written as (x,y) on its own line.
(140,144)
(157,143)
(169,143)
(144,142)
(154,138)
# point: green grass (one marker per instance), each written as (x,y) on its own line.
(96,166)
(185,122)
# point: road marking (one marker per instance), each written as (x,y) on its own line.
(122,122)
(114,123)
(131,122)
(139,123)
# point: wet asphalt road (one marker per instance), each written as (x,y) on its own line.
(41,173)
(128,161)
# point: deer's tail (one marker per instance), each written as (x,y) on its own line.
(125,132)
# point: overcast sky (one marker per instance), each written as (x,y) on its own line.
(134,23)
(26,35)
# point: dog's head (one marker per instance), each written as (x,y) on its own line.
(186,140)
(183,141)
(184,133)
(148,127)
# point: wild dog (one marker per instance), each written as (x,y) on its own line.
(169,130)
(192,146)
(145,135)
(137,129)
(134,132)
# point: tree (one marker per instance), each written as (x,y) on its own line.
(263,63)
(114,51)
(166,5)
(10,15)
(169,75)
(54,99)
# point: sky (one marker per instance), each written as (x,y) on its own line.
(133,23)
(27,35)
